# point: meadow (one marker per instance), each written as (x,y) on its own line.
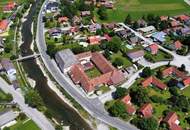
(138,8)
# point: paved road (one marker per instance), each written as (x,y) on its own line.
(92,106)
(32,113)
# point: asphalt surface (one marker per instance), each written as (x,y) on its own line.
(42,122)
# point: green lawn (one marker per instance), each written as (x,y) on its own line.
(25,125)
(138,8)
(104,88)
(186,91)
(126,61)
(92,73)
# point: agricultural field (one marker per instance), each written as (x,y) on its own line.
(138,8)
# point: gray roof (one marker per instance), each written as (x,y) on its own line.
(7,64)
(135,54)
(7,117)
(65,59)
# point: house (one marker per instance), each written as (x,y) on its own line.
(184,31)
(107,4)
(154,81)
(172,120)
(9,6)
(63,19)
(76,20)
(110,25)
(130,108)
(55,33)
(94,27)
(85,13)
(146,110)
(164,18)
(52,7)
(153,48)
(123,33)
(183,18)
(142,23)
(3,25)
(107,37)
(65,59)
(7,117)
(133,40)
(174,23)
(159,36)
(184,83)
(94,40)
(136,55)
(109,74)
(9,68)
(177,45)
(175,72)
(147,30)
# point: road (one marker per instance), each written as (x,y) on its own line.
(42,122)
(92,106)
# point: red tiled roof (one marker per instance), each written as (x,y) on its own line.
(108,38)
(174,23)
(9,6)
(84,55)
(78,76)
(178,45)
(116,77)
(4,24)
(171,119)
(102,63)
(62,19)
(146,110)
(175,127)
(154,48)
(110,75)
(127,99)
(94,40)
(155,81)
(186,81)
(175,71)
(183,17)
(130,109)
(163,18)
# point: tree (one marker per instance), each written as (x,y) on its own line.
(117,109)
(174,91)
(115,44)
(33,99)
(120,92)
(139,96)
(145,123)
(22,116)
(146,72)
(107,54)
(102,12)
(188,120)
(180,102)
(135,25)
(51,50)
(159,74)
(128,19)
(118,62)
(182,68)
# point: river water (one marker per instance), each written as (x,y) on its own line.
(60,110)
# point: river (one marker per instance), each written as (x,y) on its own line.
(60,110)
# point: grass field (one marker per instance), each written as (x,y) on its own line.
(25,125)
(138,8)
